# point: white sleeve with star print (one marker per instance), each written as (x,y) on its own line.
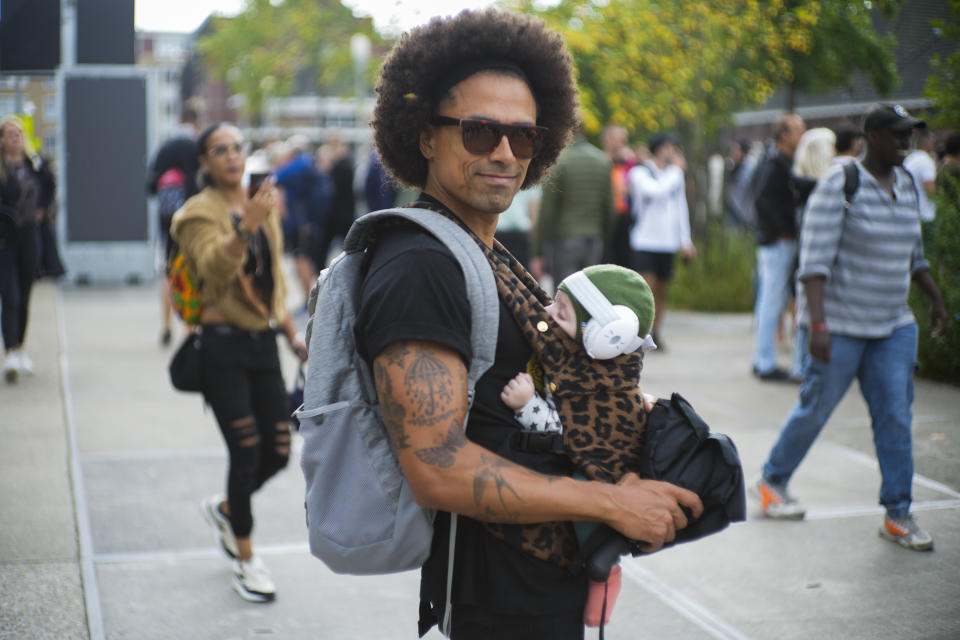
(539,414)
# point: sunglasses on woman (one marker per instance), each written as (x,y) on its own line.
(221,150)
(480,137)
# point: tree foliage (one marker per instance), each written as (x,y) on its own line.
(269,44)
(844,41)
(683,65)
(943,85)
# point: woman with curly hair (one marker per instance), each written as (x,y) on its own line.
(470,110)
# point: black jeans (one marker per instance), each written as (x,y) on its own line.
(18,269)
(243,385)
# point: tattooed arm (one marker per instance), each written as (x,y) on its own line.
(422,388)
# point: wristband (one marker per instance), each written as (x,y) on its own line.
(818,327)
(245,235)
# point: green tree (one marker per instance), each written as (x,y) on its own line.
(844,41)
(684,65)
(263,49)
(943,85)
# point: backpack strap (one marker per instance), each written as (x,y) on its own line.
(485,316)
(851,182)
(481,286)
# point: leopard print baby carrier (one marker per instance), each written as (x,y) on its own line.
(598,401)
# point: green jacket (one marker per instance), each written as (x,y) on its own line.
(577,197)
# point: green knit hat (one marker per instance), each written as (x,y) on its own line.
(620,286)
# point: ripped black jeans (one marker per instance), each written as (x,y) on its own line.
(243,385)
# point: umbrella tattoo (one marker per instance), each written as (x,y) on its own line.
(428,386)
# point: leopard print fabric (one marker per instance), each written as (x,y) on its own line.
(599,401)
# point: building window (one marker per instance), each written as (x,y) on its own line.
(50,113)
(7,104)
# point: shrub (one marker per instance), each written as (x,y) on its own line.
(940,359)
(721,277)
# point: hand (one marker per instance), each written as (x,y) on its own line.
(938,319)
(257,208)
(299,348)
(820,346)
(678,160)
(649,401)
(518,391)
(688,253)
(536,268)
(650,510)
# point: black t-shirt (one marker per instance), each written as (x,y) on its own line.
(414,290)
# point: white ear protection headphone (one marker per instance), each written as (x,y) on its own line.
(612,328)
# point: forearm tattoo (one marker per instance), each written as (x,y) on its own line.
(394,413)
(490,472)
(443,455)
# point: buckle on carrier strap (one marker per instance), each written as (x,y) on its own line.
(538,441)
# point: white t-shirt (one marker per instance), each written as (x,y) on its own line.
(660,207)
(924,169)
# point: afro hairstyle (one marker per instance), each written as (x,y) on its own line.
(424,56)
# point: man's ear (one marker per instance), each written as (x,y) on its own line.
(427,142)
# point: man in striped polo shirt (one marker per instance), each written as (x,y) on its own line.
(857,260)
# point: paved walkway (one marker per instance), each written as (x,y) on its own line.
(103,467)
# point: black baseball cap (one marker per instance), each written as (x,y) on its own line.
(893,117)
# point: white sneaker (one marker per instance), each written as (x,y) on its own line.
(26,364)
(776,502)
(906,532)
(11,366)
(221,523)
(251,579)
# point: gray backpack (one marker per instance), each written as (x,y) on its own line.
(361,515)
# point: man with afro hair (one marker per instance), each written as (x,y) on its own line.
(470,109)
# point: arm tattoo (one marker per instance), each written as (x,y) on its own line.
(429,388)
(396,354)
(393,412)
(443,456)
(490,471)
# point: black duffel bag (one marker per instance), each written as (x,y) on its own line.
(679,448)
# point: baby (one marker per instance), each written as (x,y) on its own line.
(590,396)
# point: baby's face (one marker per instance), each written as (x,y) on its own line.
(563,313)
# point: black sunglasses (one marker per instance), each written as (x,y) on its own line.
(481,137)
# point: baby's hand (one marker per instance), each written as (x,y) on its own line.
(518,391)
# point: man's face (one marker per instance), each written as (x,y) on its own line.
(478,184)
(795,130)
(889,147)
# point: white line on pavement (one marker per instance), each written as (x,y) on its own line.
(88,574)
(679,602)
(832,513)
(168,555)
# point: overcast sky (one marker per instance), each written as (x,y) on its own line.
(391,15)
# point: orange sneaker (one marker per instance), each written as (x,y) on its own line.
(776,502)
(906,532)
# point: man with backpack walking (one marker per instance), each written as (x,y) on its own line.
(860,249)
(470,109)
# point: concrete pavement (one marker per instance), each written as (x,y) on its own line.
(104,465)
